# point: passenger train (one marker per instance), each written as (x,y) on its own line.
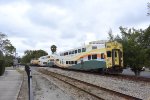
(34,62)
(42,61)
(101,55)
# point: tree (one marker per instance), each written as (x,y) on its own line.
(7,49)
(134,54)
(110,35)
(53,49)
(32,54)
(136,47)
(9,60)
(146,46)
(5,45)
(2,67)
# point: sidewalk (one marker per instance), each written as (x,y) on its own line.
(10,84)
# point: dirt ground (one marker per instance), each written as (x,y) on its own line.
(44,89)
(49,88)
(23,94)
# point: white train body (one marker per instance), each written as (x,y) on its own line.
(43,60)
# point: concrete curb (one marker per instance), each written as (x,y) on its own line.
(20,87)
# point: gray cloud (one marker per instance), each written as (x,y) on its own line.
(36,24)
(7,1)
(134,16)
(61,3)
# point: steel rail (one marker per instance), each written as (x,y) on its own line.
(119,76)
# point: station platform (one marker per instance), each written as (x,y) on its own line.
(10,84)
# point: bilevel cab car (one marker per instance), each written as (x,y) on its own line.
(34,62)
(97,55)
(43,61)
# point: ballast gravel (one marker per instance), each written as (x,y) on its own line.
(129,87)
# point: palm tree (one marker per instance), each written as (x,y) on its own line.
(53,49)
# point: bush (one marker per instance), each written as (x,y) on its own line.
(2,66)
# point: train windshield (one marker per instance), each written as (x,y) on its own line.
(108,53)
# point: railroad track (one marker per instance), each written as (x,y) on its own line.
(93,90)
(122,76)
(119,76)
(133,78)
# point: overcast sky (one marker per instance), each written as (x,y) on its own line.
(37,24)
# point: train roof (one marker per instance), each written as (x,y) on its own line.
(98,42)
(92,43)
(43,57)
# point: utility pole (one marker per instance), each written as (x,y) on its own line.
(15,61)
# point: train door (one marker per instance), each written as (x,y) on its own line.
(116,57)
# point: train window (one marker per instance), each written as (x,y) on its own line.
(89,57)
(94,47)
(52,60)
(62,54)
(102,56)
(115,54)
(57,59)
(108,53)
(66,62)
(79,50)
(108,46)
(69,62)
(66,53)
(94,56)
(75,51)
(44,62)
(48,57)
(72,62)
(75,62)
(83,49)
(72,52)
(69,52)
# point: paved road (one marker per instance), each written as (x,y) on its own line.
(143,73)
(10,84)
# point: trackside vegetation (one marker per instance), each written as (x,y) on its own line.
(136,47)
(7,51)
(2,67)
(32,54)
